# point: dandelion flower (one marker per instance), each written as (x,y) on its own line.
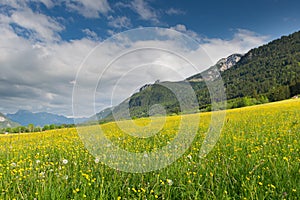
(170,182)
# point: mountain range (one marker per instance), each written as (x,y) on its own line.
(25,117)
(264,74)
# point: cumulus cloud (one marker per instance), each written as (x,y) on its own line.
(35,26)
(242,41)
(38,69)
(41,77)
(126,63)
(182,28)
(36,75)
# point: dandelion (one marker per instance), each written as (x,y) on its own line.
(97,160)
(65,161)
(170,182)
(260,183)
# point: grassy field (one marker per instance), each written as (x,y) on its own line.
(256,157)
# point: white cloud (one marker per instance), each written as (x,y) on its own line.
(89,8)
(86,8)
(174,11)
(119,22)
(242,41)
(111,32)
(90,34)
(33,25)
(182,28)
(144,10)
(41,75)
(47,3)
(144,61)
(42,27)
(17,4)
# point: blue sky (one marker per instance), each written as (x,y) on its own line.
(44,42)
(213,19)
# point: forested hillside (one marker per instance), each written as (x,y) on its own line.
(268,73)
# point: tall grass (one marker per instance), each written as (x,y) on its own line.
(256,157)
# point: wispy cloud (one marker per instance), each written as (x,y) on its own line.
(119,22)
(174,11)
(144,10)
(91,34)
(89,8)
(86,8)
(37,26)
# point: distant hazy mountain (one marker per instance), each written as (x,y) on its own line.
(99,116)
(7,123)
(25,117)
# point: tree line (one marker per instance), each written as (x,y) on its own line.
(31,128)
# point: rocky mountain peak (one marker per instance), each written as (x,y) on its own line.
(226,63)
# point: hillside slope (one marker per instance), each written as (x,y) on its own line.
(267,73)
(6,123)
